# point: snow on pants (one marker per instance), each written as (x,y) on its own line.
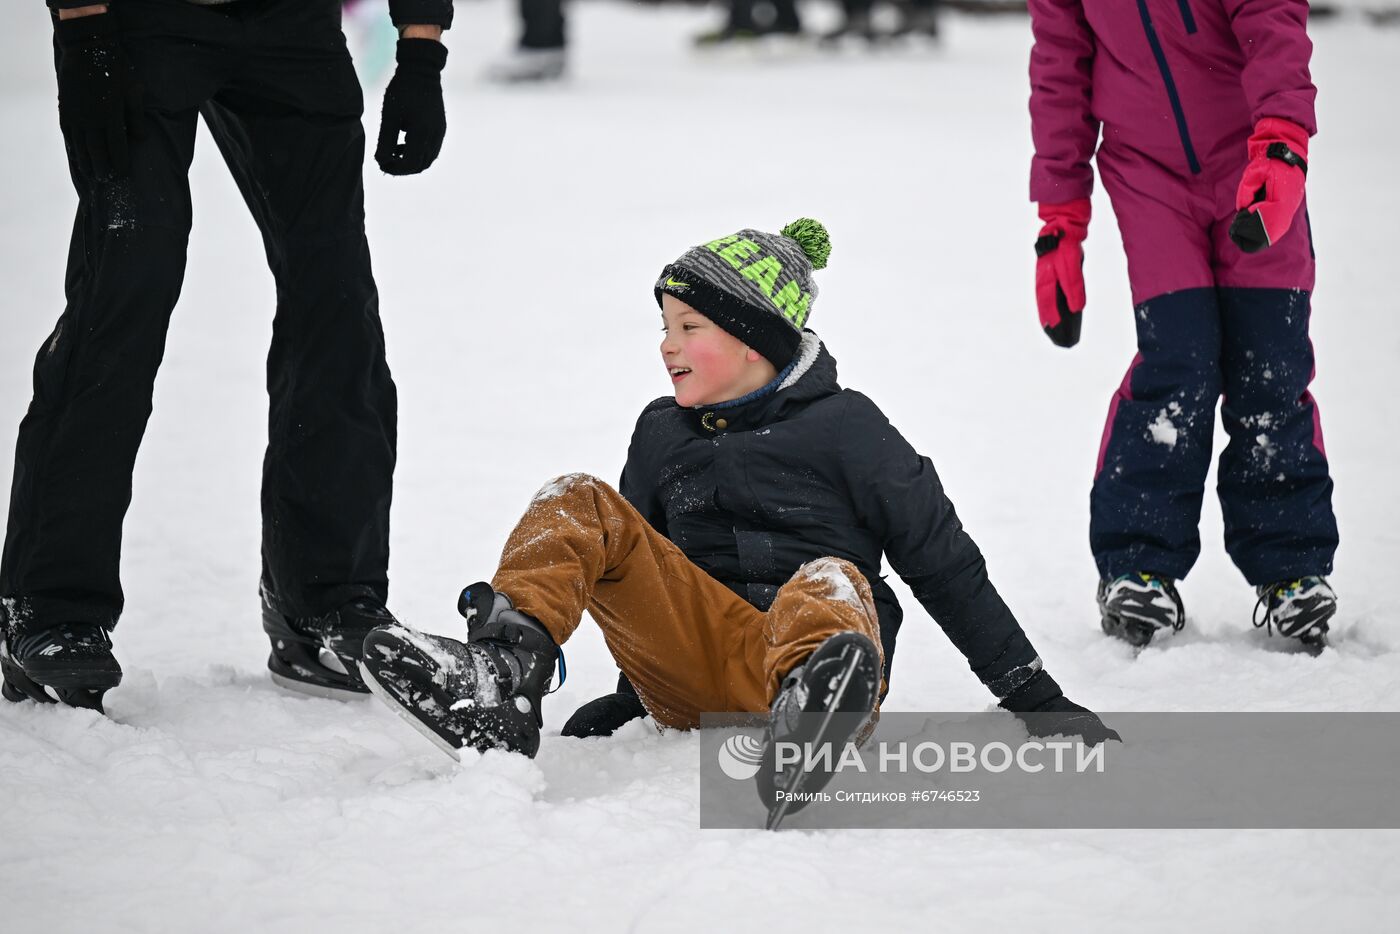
(1211,321)
(688,643)
(276,87)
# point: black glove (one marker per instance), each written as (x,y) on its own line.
(413,106)
(603,715)
(99,99)
(1043,707)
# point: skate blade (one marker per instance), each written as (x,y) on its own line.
(405,715)
(1294,645)
(72,689)
(84,698)
(1137,633)
(323,691)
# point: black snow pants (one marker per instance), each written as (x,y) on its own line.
(275,84)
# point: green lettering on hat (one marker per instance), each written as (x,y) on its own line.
(738,251)
(793,303)
(763,273)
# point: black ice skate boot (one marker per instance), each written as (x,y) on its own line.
(482,694)
(827,699)
(917,19)
(71,662)
(1299,609)
(320,655)
(855,25)
(1135,607)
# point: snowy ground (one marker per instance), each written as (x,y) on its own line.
(515,280)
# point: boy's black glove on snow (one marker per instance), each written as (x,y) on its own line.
(603,715)
(99,99)
(413,106)
(1043,707)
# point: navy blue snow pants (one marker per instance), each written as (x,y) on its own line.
(1250,345)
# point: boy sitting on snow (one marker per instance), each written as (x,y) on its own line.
(738,568)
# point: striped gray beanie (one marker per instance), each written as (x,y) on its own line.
(757,286)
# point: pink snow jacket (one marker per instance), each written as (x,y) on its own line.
(1175,83)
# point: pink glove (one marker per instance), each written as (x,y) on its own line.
(1272,186)
(1059,273)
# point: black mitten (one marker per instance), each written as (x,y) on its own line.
(99,99)
(413,106)
(603,716)
(1043,707)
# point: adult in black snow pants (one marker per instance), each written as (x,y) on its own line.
(276,87)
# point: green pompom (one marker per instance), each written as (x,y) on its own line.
(811,236)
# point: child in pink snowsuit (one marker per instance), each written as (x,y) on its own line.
(1205,108)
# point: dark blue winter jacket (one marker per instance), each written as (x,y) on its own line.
(752,492)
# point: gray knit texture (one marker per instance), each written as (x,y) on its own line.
(768,272)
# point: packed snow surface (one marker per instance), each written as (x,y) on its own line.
(516,279)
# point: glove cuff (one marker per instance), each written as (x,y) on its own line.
(1069,219)
(427,56)
(82,30)
(1038,690)
(1277,129)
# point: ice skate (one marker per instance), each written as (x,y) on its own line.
(482,694)
(827,699)
(916,22)
(319,655)
(855,27)
(1299,609)
(1135,607)
(68,662)
(528,66)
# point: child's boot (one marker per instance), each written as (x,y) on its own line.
(1299,609)
(825,700)
(1135,607)
(484,694)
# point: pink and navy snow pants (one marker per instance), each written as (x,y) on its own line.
(1213,323)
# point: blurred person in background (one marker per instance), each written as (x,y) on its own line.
(275,85)
(541,53)
(916,18)
(762,19)
(751,19)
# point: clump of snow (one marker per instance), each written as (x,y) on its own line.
(559,486)
(1163,430)
(839,586)
(1264,449)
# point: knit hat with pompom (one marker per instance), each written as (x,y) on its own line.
(757,286)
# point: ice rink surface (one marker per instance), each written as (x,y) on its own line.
(515,281)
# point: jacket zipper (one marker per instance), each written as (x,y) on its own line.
(1187,17)
(1172,96)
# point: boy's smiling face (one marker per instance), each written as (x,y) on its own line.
(706,363)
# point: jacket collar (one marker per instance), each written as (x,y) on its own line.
(811,375)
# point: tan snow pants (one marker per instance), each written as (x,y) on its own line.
(688,644)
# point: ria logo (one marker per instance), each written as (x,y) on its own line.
(739,757)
